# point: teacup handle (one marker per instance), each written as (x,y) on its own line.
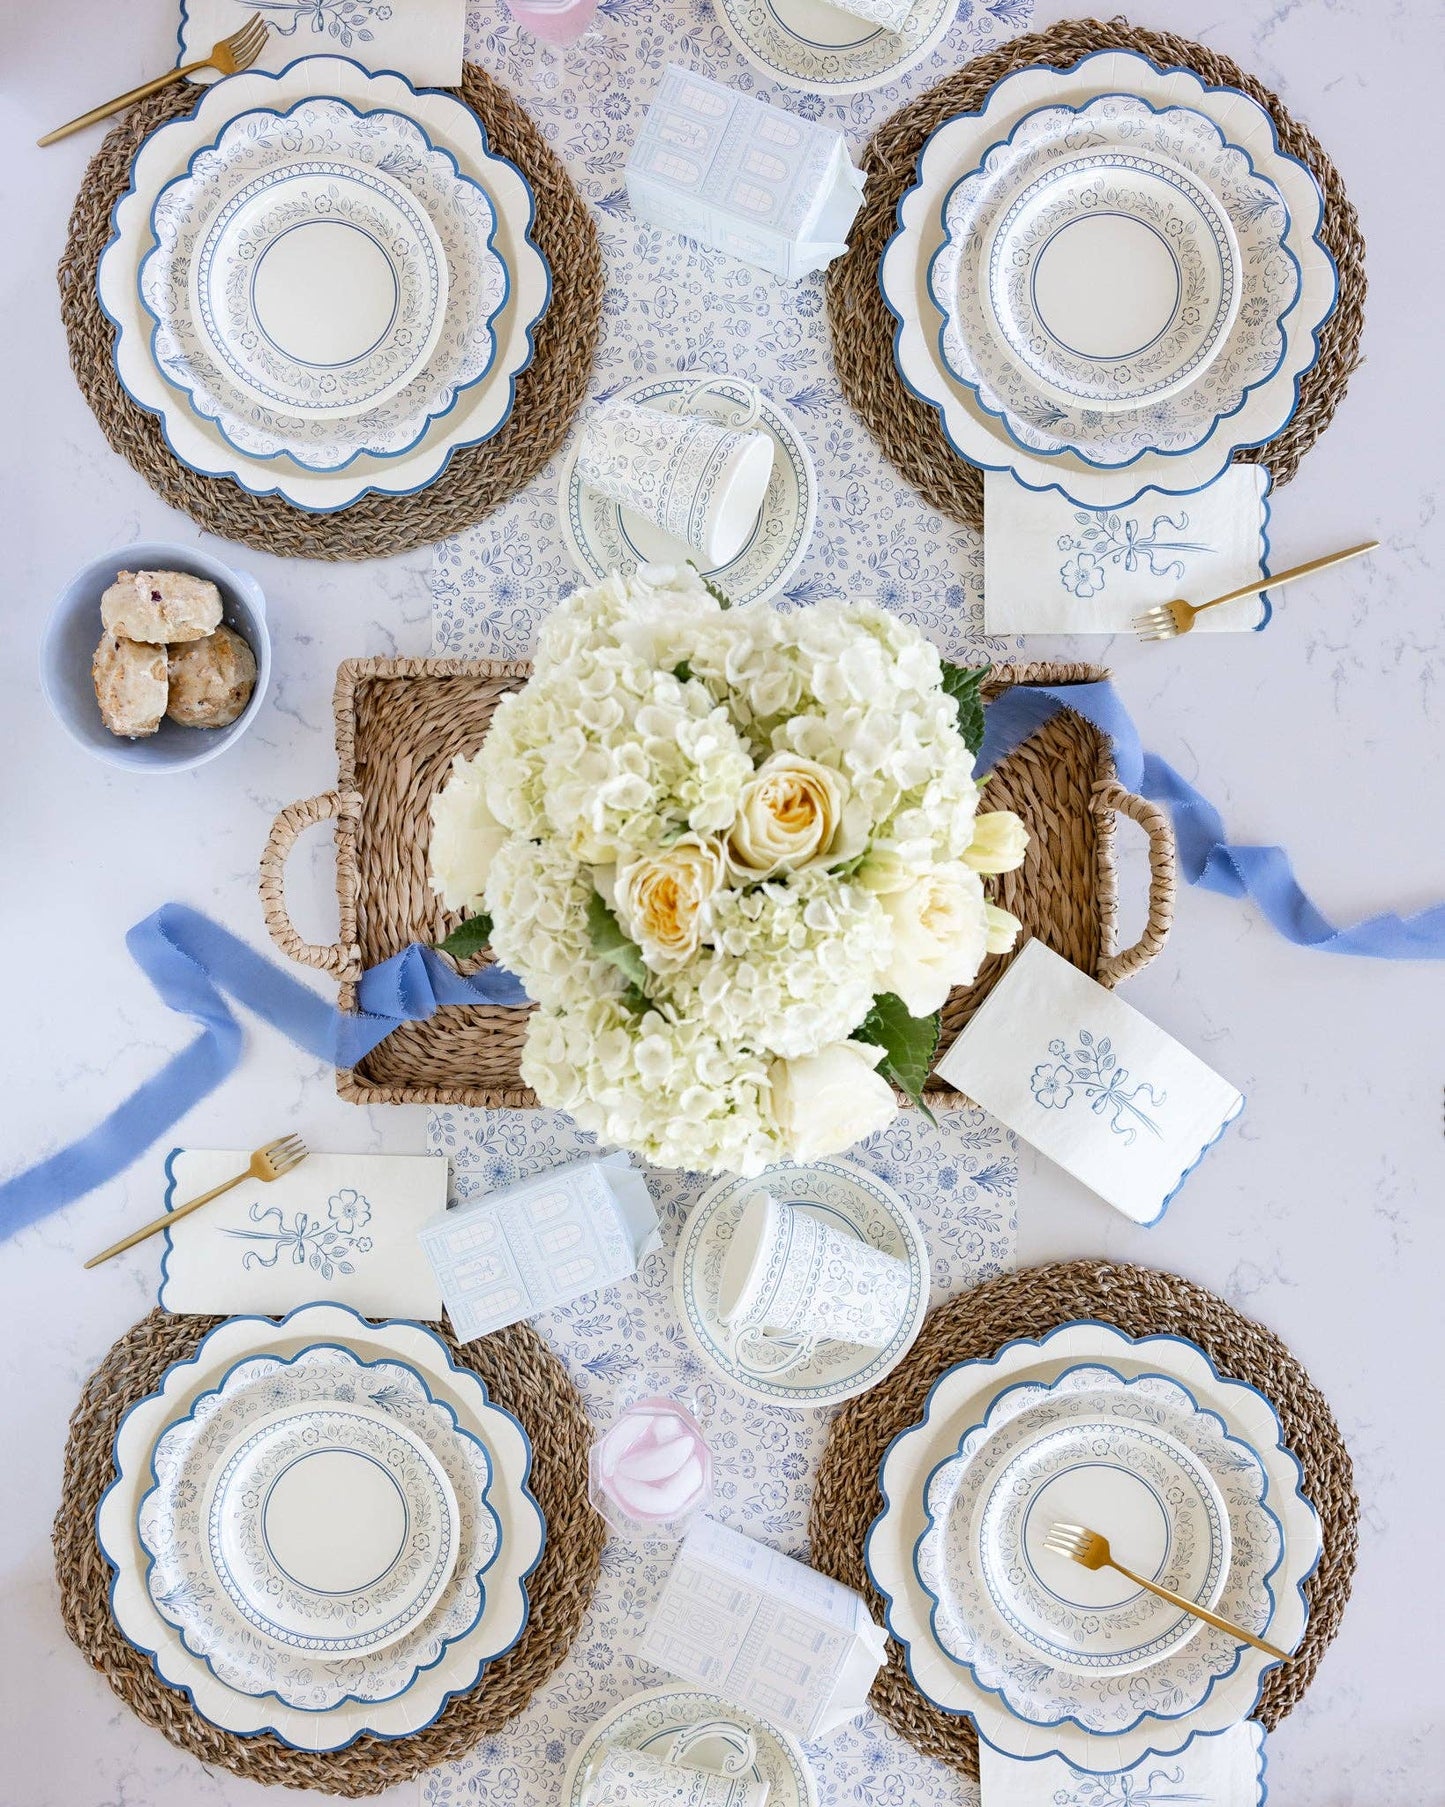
(726,1729)
(803,1350)
(713,385)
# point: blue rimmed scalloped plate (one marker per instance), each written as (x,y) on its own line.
(376,1357)
(1249,389)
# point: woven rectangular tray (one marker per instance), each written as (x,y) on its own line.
(399,723)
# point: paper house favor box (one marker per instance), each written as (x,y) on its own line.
(744,177)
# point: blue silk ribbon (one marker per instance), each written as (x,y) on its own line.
(192,961)
(1206,856)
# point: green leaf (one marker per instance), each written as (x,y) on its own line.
(609,943)
(468,938)
(720,597)
(964,686)
(682,672)
(909,1044)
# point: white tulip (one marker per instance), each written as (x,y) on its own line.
(825,1102)
(465,836)
(999,840)
(1003,929)
(940,935)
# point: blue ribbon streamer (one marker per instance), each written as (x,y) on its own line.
(191,961)
(1206,855)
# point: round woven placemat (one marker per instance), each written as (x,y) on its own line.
(521,1374)
(908,431)
(1140,1301)
(477,478)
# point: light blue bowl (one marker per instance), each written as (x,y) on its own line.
(74,631)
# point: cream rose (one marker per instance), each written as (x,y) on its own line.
(465,836)
(999,840)
(662,900)
(825,1102)
(793,813)
(940,935)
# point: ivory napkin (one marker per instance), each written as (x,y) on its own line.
(892,15)
(420,39)
(1091,1083)
(1051,566)
(339,1226)
(1215,1769)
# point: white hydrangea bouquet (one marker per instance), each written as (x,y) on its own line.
(734,855)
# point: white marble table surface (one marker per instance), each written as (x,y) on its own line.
(1320,1215)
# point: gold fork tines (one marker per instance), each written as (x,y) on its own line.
(267,1163)
(1167,620)
(231,56)
(1091,1551)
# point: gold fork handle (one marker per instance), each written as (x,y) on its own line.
(166,1217)
(1199,1612)
(1288,577)
(122,101)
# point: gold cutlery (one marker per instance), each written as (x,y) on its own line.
(1170,619)
(1091,1551)
(267,1163)
(231,56)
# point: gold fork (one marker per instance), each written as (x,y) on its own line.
(1170,619)
(1091,1550)
(267,1163)
(231,56)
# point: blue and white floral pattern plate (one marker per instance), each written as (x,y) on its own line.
(824,49)
(848,1198)
(1022,1705)
(206,344)
(1250,388)
(603,536)
(656,1720)
(1112,278)
(424,1669)
(257,448)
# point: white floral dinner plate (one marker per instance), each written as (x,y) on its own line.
(1135,1459)
(603,536)
(320,286)
(824,50)
(1112,278)
(263,1347)
(656,1720)
(206,343)
(195,1587)
(850,1199)
(1019,1378)
(263,465)
(1249,389)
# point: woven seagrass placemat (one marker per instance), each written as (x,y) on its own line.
(908,431)
(521,1374)
(477,478)
(1140,1301)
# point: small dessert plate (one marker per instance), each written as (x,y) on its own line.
(710,1733)
(826,50)
(1112,279)
(604,536)
(848,1199)
(331,1529)
(320,288)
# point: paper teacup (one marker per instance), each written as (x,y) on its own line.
(696,480)
(790,1282)
(630,1778)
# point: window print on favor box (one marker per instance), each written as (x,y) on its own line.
(1092,1073)
(329,1244)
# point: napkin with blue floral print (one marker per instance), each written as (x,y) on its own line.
(1091,1083)
(341,1227)
(1214,1769)
(1051,566)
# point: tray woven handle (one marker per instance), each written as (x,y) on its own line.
(1117,963)
(343,958)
